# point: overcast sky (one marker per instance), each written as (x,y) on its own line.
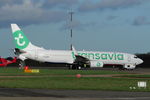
(98,25)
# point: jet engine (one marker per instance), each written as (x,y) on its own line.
(96,64)
(129,66)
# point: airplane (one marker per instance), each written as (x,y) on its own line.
(5,61)
(73,59)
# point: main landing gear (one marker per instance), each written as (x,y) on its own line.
(21,64)
(75,66)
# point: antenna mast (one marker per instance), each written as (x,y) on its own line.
(71,35)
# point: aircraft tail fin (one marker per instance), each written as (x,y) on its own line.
(21,41)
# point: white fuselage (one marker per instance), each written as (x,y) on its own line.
(67,56)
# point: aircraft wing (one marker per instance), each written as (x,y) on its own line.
(80,59)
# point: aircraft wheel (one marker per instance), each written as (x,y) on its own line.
(79,67)
(74,67)
(70,67)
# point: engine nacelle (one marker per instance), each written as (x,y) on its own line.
(96,64)
(129,66)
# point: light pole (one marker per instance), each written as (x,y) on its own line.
(71,35)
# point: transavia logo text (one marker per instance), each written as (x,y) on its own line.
(103,56)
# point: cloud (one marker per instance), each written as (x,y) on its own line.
(27,12)
(77,25)
(141,20)
(10,2)
(111,17)
(108,4)
(45,3)
(59,3)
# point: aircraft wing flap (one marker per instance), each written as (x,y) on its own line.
(81,58)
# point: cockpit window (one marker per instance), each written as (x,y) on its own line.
(135,57)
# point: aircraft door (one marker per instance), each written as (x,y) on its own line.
(36,54)
(129,58)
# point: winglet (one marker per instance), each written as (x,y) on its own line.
(74,50)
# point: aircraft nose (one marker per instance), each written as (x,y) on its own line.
(140,61)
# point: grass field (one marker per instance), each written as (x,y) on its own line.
(65,79)
(137,76)
(15,71)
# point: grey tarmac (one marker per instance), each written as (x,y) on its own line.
(71,94)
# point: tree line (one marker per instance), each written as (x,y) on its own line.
(146,58)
